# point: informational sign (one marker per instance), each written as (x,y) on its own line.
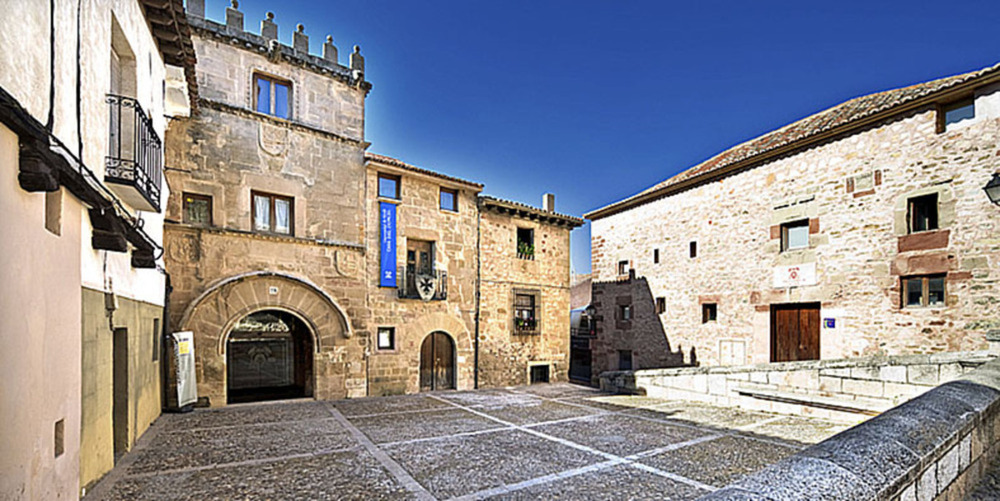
(387,236)
(187,385)
(796,275)
(830,323)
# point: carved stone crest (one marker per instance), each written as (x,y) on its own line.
(273,139)
(346,263)
(426,285)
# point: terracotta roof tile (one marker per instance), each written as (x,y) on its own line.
(488,201)
(403,165)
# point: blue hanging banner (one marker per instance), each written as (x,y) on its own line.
(387,232)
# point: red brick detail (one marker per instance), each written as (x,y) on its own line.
(850,185)
(925,240)
(762,307)
(813,225)
(878,178)
(960,275)
(713,298)
(775,232)
(864,193)
(927,264)
(754,297)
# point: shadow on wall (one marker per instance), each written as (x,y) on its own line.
(629,334)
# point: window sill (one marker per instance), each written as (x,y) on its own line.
(395,201)
(273,234)
(449,211)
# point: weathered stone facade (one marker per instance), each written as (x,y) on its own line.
(853,188)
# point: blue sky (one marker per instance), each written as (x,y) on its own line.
(595,101)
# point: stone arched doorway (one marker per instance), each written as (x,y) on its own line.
(437,362)
(269,356)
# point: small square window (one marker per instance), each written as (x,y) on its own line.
(622,268)
(386,338)
(661,305)
(693,249)
(624,360)
(449,200)
(197,209)
(625,312)
(922,213)
(388,186)
(271,95)
(656,256)
(795,235)
(709,312)
(273,213)
(526,243)
(954,113)
(924,291)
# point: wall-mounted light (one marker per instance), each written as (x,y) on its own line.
(992,189)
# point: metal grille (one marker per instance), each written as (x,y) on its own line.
(135,155)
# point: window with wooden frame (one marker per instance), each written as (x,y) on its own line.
(526,243)
(388,186)
(661,305)
(385,339)
(525,313)
(273,213)
(709,312)
(923,291)
(795,235)
(622,268)
(272,95)
(951,114)
(448,200)
(922,213)
(197,209)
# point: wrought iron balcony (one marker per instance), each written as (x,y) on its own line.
(134,164)
(434,285)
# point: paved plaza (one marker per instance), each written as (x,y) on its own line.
(555,441)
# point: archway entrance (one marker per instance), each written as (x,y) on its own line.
(437,362)
(269,356)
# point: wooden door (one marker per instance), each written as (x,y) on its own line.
(437,363)
(795,332)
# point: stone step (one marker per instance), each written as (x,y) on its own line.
(829,403)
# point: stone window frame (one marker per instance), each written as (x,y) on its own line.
(795,223)
(537,308)
(913,206)
(946,207)
(273,197)
(293,111)
(631,359)
(942,109)
(621,304)
(709,313)
(392,177)
(393,344)
(454,198)
(197,196)
(656,256)
(925,291)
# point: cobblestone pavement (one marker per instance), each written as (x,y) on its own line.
(539,442)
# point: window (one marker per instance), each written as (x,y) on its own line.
(197,209)
(156,339)
(953,113)
(623,267)
(271,95)
(709,312)
(526,243)
(693,249)
(419,261)
(922,213)
(656,256)
(923,291)
(386,338)
(449,200)
(624,312)
(624,360)
(661,305)
(525,321)
(795,235)
(272,213)
(388,186)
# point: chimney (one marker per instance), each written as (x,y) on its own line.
(549,202)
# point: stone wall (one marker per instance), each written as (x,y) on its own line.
(505,357)
(853,190)
(935,447)
(845,390)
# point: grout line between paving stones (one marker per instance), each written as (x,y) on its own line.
(395,413)
(442,437)
(387,462)
(247,425)
(248,462)
(606,455)
(505,489)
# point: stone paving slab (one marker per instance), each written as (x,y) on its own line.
(382,405)
(611,484)
(353,475)
(696,414)
(463,465)
(244,414)
(441,423)
(721,461)
(621,435)
(800,429)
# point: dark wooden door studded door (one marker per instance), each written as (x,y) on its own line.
(437,363)
(795,332)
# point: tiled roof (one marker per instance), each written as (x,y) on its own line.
(526,210)
(403,165)
(856,111)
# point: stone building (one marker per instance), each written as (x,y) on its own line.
(308,268)
(860,230)
(83,99)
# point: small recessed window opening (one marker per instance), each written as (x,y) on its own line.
(693,249)
(449,200)
(922,213)
(197,209)
(954,113)
(386,338)
(623,267)
(624,360)
(625,312)
(661,305)
(526,243)
(388,186)
(795,235)
(656,256)
(923,291)
(709,312)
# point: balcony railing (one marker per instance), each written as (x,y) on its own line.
(525,326)
(412,283)
(134,163)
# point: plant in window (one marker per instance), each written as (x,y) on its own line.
(525,250)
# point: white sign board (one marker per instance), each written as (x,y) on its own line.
(797,275)
(187,386)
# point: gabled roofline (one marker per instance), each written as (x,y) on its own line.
(517,209)
(399,164)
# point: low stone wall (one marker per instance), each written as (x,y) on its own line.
(847,390)
(934,447)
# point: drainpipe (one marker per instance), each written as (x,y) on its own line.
(164,334)
(479,266)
